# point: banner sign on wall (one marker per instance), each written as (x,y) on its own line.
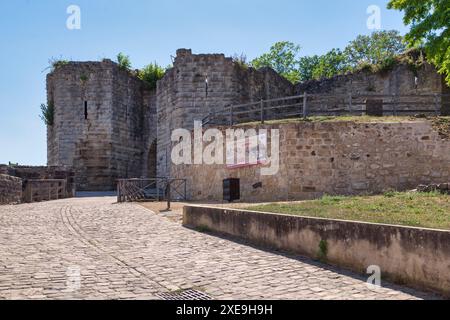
(247,152)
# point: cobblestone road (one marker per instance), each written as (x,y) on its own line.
(123,251)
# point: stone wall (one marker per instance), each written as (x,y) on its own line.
(396,84)
(183,96)
(26,173)
(344,158)
(103,123)
(401,80)
(109,125)
(10,189)
(133,127)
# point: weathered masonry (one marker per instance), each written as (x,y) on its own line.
(402,79)
(10,189)
(199,85)
(104,124)
(19,184)
(336,158)
(403,84)
(109,125)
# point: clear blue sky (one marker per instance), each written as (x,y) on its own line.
(31,32)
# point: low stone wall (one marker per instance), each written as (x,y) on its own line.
(58,182)
(42,173)
(10,189)
(416,257)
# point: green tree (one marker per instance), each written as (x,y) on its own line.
(306,67)
(330,64)
(283,58)
(429,21)
(124,61)
(151,74)
(374,49)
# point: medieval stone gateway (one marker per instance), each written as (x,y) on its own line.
(109,125)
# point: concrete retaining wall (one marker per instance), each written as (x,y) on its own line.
(415,257)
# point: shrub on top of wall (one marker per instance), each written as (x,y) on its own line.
(151,74)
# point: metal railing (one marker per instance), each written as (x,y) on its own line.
(306,105)
(154,189)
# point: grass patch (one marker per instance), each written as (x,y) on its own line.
(357,119)
(440,123)
(428,210)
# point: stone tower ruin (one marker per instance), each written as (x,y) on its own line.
(203,84)
(104,124)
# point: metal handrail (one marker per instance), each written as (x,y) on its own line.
(129,190)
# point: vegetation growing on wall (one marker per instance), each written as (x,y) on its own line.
(124,61)
(151,74)
(241,60)
(84,78)
(47,113)
(430,28)
(323,250)
(56,63)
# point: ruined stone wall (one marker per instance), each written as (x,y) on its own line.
(133,125)
(343,158)
(182,95)
(149,134)
(98,123)
(109,125)
(26,173)
(10,189)
(395,84)
(401,80)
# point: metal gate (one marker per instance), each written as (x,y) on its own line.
(155,189)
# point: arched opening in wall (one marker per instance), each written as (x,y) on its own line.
(151,161)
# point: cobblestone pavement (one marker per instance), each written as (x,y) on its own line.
(123,251)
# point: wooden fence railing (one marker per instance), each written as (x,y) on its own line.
(306,105)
